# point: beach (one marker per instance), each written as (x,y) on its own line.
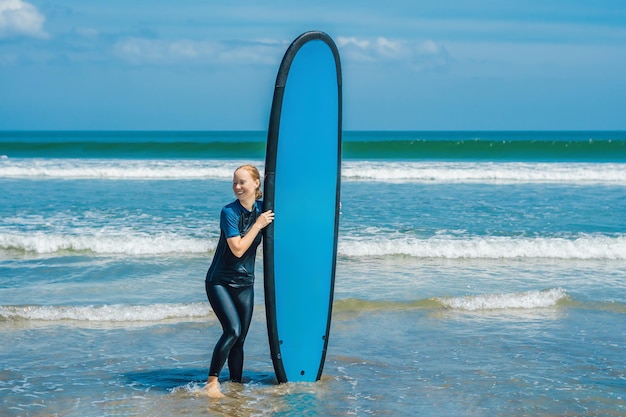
(478,274)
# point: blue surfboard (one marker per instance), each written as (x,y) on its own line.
(302,185)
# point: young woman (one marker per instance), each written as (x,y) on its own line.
(230,280)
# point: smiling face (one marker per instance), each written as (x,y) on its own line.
(245,187)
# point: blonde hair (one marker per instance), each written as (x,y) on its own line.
(254,173)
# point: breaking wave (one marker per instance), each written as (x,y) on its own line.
(582,246)
(381,171)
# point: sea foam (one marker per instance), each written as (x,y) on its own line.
(117,169)
(124,313)
(487,172)
(577,247)
(382,171)
(522,300)
(580,247)
(107,313)
(51,243)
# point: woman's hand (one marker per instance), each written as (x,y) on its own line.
(239,245)
(265,219)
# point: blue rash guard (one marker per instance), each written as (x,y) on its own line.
(226,268)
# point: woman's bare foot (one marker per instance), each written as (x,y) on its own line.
(212,388)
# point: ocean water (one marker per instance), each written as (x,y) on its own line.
(479,274)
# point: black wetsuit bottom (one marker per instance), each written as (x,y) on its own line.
(233,307)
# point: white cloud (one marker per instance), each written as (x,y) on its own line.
(360,43)
(141,50)
(156,51)
(417,55)
(20,18)
(390,48)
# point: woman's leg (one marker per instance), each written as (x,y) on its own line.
(227,313)
(244,302)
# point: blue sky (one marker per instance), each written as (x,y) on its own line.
(407,65)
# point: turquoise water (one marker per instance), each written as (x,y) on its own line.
(479,274)
(602,146)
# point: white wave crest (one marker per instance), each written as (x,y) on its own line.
(117,169)
(107,313)
(500,172)
(47,243)
(523,300)
(582,247)
(490,247)
(383,171)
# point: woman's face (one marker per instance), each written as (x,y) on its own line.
(244,186)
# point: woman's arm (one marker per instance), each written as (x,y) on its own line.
(239,245)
